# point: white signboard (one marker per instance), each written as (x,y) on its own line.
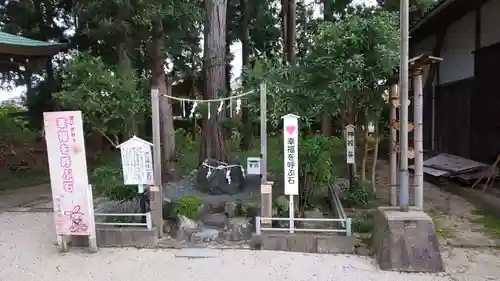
(253,165)
(71,194)
(266,188)
(291,156)
(137,162)
(350,144)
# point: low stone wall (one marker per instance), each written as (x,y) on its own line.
(120,237)
(115,236)
(304,243)
(126,237)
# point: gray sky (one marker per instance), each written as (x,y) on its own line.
(235,49)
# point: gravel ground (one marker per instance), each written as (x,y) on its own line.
(27,252)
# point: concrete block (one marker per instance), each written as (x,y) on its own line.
(126,237)
(302,243)
(405,241)
(274,242)
(256,241)
(336,244)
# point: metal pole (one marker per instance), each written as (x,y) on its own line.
(393,161)
(156,194)
(348,227)
(266,208)
(418,181)
(403,111)
(263,133)
(291,210)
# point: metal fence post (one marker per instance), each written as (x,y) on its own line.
(149,223)
(348,231)
(257,225)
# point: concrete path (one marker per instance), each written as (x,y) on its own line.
(27,252)
(27,197)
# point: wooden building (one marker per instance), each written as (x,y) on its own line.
(462,92)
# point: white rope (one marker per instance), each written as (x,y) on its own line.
(222,167)
(211,100)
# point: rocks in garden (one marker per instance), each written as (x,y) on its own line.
(281,206)
(214,206)
(231,209)
(168,210)
(186,223)
(313,214)
(168,226)
(186,227)
(214,179)
(249,210)
(239,229)
(219,220)
(205,235)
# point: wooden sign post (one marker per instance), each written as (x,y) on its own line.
(71,192)
(137,165)
(291,161)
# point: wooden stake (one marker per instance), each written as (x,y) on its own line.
(156,193)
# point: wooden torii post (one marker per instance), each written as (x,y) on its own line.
(417,66)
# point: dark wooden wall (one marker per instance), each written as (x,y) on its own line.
(485,105)
(452,118)
(467,112)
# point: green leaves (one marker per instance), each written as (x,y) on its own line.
(346,65)
(109,104)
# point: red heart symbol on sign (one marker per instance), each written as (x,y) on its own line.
(291,129)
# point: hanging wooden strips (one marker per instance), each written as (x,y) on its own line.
(193,109)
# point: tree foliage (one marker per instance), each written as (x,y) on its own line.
(120,49)
(347,65)
(111,105)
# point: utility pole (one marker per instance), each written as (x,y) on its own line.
(403,94)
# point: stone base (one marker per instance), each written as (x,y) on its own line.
(304,243)
(120,237)
(405,241)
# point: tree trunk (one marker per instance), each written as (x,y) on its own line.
(326,124)
(226,113)
(291,30)
(125,72)
(284,27)
(365,154)
(376,135)
(212,143)
(246,139)
(327,118)
(166,115)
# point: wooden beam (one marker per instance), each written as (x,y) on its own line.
(416,63)
(422,60)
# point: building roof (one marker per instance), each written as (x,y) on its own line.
(19,46)
(442,14)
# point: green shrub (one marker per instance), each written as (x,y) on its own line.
(318,156)
(107,180)
(188,206)
(359,194)
(362,224)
